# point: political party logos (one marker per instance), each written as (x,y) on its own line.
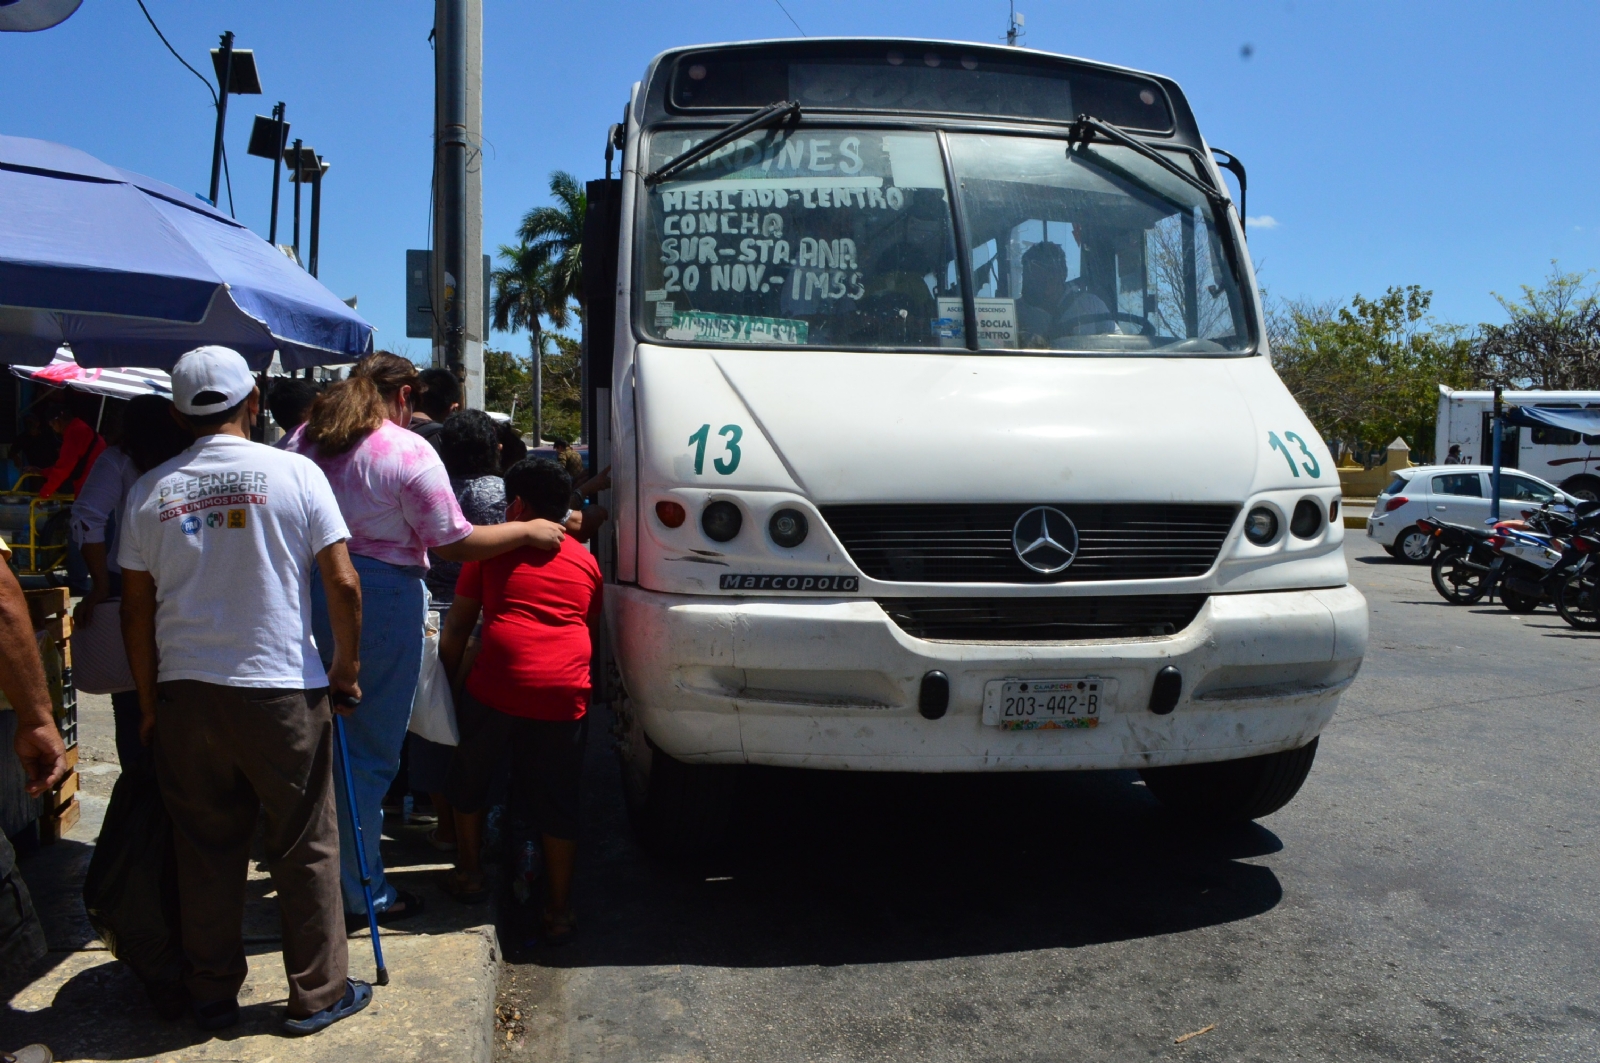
(191,525)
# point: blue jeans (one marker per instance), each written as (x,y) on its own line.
(393,605)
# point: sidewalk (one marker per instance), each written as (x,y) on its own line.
(443,965)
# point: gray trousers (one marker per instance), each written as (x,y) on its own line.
(21,936)
(222,754)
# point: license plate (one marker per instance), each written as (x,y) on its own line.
(1045,704)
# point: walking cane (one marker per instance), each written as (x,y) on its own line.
(355,819)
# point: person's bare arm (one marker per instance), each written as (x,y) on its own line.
(456,630)
(492,540)
(38,742)
(589,485)
(342,586)
(139,640)
(94,557)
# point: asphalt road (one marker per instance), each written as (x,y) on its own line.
(1430,895)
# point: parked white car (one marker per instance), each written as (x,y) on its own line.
(1455,494)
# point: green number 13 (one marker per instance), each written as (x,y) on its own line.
(732,433)
(1314,469)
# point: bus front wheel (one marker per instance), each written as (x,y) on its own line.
(1232,791)
(679,811)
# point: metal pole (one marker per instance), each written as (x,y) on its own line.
(277,166)
(1494,474)
(451,42)
(316,212)
(297,183)
(222,113)
(538,390)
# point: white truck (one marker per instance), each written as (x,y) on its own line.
(1569,460)
(945,438)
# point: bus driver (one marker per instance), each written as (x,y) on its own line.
(1051,306)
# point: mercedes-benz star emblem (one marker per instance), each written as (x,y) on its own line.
(1045,540)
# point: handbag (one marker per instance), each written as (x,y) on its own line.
(433,710)
(99,660)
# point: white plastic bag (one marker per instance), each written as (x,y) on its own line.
(433,710)
(99,661)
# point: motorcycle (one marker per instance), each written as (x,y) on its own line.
(1463,563)
(1549,541)
(1578,596)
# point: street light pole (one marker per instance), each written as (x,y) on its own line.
(1494,469)
(297,183)
(316,210)
(277,167)
(225,66)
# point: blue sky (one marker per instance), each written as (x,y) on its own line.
(1451,145)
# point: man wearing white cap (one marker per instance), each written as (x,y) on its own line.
(217,553)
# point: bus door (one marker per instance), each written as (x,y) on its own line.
(1510,444)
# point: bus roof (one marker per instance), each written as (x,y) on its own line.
(1522,398)
(863,75)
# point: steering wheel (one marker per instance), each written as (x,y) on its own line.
(1067,324)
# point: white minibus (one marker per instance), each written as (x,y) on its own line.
(1570,460)
(945,438)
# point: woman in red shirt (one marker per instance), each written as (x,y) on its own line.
(527,690)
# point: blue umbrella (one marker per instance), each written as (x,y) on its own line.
(130,271)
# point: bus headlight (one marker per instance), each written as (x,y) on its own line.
(721,521)
(1261,526)
(788,528)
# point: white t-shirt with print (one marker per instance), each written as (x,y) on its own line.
(229,531)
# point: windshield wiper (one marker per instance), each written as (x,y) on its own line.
(788,109)
(1086,124)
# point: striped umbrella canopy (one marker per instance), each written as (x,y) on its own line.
(65,372)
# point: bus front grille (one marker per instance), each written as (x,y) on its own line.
(1043,619)
(943,543)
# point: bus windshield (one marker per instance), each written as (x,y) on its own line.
(814,237)
(1093,249)
(846,238)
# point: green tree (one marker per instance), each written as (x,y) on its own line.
(1368,372)
(508,386)
(1552,340)
(540,281)
(563,388)
(558,231)
(524,296)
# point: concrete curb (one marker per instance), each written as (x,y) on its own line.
(439,1005)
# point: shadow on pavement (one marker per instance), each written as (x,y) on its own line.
(84,1004)
(839,868)
(101,1012)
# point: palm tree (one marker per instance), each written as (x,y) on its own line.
(523,300)
(558,229)
(524,295)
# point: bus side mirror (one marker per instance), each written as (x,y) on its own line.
(1230,162)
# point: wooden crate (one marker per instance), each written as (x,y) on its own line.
(47,602)
(50,609)
(63,795)
(53,826)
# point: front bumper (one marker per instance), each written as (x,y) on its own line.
(833,683)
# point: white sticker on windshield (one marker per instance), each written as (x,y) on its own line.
(664,309)
(997,322)
(948,326)
(655,295)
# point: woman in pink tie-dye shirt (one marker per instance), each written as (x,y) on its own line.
(395,496)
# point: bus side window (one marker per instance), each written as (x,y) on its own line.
(1545,436)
